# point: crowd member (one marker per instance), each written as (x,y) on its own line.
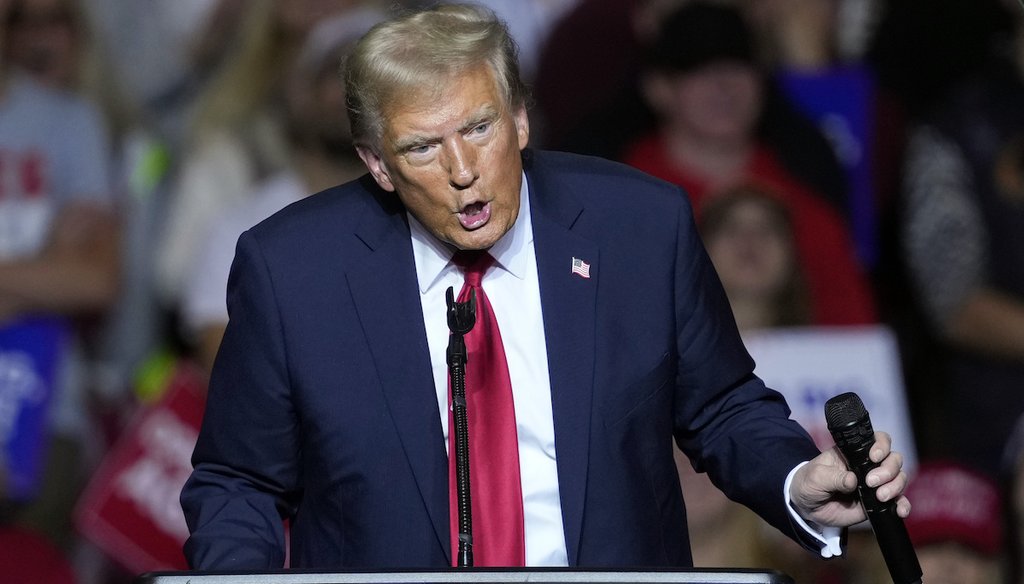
(749,237)
(799,42)
(962,220)
(43,40)
(328,401)
(957,525)
(321,155)
(166,54)
(705,88)
(578,79)
(589,99)
(236,137)
(59,260)
(54,43)
(913,57)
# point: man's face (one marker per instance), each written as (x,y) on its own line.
(720,101)
(453,158)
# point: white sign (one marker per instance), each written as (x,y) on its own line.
(810,365)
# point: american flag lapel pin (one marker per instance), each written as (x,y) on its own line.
(580,268)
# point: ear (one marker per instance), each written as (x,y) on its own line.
(522,122)
(375,164)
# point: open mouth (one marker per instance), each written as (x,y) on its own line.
(475,215)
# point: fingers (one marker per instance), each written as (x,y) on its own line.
(903,507)
(886,470)
(881,448)
(888,477)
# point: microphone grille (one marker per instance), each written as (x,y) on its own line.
(844,409)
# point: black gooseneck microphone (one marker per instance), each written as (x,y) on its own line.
(461,318)
(851,429)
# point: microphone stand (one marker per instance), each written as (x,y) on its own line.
(461,318)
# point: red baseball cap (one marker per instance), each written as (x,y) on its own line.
(952,503)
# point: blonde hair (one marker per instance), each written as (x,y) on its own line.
(411,53)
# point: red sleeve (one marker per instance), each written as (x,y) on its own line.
(837,284)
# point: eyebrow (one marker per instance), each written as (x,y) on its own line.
(410,142)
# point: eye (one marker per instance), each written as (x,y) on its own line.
(482,128)
(419,153)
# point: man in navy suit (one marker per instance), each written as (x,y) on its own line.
(328,399)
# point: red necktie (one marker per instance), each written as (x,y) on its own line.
(497,495)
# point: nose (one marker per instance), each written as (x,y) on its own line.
(460,161)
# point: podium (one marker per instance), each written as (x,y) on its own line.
(477,576)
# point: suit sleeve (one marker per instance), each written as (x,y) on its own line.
(246,461)
(726,420)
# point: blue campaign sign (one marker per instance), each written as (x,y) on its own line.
(30,354)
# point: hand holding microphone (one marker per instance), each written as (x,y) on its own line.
(831,492)
(851,429)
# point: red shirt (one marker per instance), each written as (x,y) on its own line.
(838,289)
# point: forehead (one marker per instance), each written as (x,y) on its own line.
(455,99)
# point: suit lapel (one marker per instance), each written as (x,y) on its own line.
(569,305)
(386,296)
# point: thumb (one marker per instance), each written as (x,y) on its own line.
(832,476)
(846,481)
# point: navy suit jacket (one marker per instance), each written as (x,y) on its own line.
(322,407)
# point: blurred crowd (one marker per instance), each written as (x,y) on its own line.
(850,163)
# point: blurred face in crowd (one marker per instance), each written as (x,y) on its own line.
(952,563)
(43,39)
(720,101)
(452,154)
(751,250)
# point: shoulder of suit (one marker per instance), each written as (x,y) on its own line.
(336,208)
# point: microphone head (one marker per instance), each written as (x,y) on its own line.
(844,409)
(849,423)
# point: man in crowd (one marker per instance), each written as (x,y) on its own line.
(329,401)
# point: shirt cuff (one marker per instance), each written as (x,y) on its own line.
(829,537)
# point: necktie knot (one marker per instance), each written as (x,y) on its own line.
(474,264)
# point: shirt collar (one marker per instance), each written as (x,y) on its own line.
(511,252)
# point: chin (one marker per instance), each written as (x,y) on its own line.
(473,244)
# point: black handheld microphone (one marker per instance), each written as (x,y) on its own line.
(851,429)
